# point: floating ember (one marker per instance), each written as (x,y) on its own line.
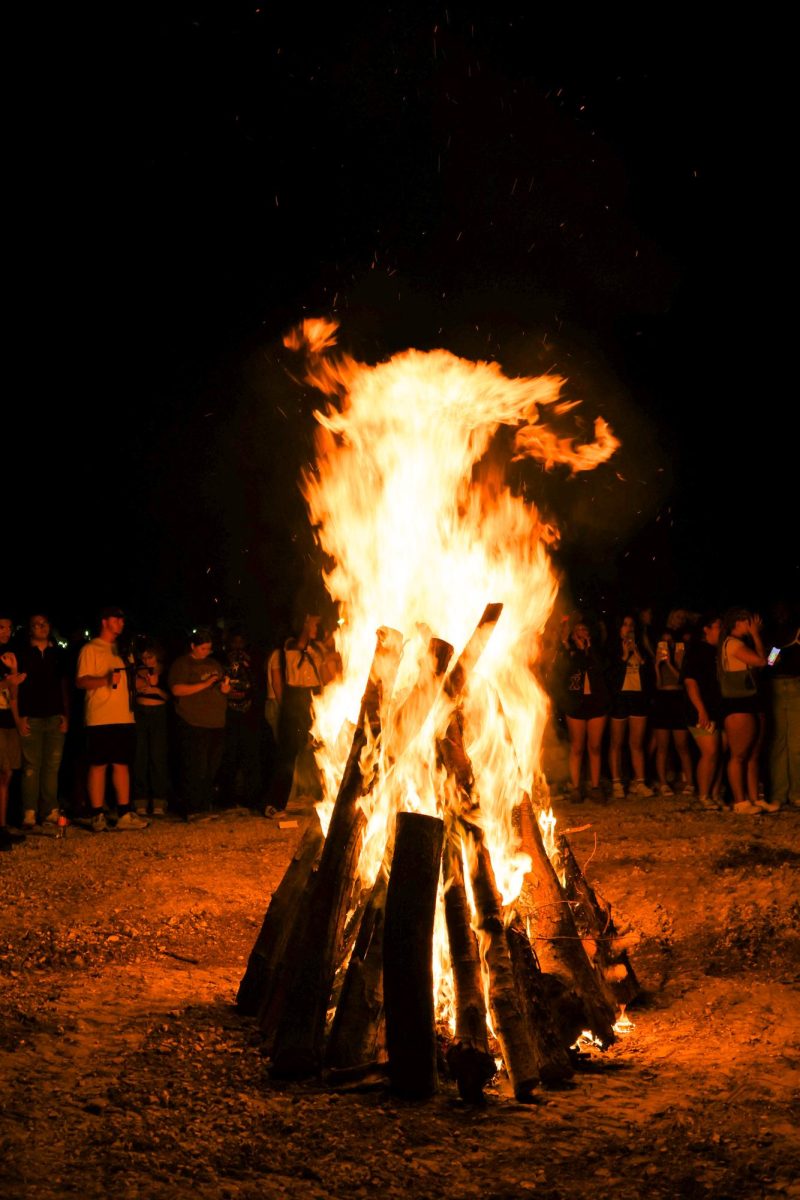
(429,747)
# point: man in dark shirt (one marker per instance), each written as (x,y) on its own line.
(43,707)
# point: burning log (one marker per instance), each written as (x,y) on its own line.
(355,1033)
(553,1013)
(311,955)
(594,921)
(408,955)
(468,1057)
(559,948)
(256,987)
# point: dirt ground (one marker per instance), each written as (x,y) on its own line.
(127,1071)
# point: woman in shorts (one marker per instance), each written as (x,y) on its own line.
(630,678)
(668,715)
(699,674)
(585,701)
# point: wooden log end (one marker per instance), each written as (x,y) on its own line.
(472,1068)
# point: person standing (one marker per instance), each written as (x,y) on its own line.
(240,759)
(784,679)
(105,677)
(200,687)
(740,652)
(150,767)
(10,756)
(44,719)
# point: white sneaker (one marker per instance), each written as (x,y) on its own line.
(130,820)
(51,818)
(640,788)
(28,819)
(617,790)
(745,809)
(141,808)
(770,806)
(159,808)
(666,791)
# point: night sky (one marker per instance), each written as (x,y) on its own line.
(480,182)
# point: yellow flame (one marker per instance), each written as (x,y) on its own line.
(409,501)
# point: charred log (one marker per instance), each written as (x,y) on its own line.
(558,945)
(595,923)
(256,987)
(408,956)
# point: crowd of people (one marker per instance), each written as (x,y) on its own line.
(704,705)
(107,731)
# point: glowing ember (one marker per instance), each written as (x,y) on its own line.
(408,500)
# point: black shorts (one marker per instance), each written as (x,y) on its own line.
(629,704)
(586,708)
(670,710)
(110,744)
(742,704)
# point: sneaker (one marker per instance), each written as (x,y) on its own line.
(99,823)
(709,803)
(640,788)
(794,801)
(597,795)
(159,808)
(131,820)
(770,806)
(617,790)
(665,791)
(51,818)
(745,809)
(270,812)
(28,819)
(687,789)
(141,808)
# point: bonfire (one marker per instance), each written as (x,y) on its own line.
(432,920)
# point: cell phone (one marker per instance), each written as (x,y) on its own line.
(773,656)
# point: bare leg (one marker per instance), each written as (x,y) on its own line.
(708,748)
(619,732)
(662,748)
(96,785)
(5,780)
(577,741)
(754,761)
(121,779)
(742,731)
(681,738)
(637,728)
(596,730)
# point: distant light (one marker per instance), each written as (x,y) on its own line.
(86,633)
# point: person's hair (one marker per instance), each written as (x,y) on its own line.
(730,617)
(199,637)
(5,615)
(708,618)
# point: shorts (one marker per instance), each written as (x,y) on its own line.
(670,710)
(110,744)
(10,754)
(629,704)
(742,704)
(586,708)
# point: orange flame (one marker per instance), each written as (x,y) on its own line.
(422,535)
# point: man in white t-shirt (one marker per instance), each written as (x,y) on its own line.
(110,722)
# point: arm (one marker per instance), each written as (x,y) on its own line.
(276,679)
(693,692)
(191,689)
(743,653)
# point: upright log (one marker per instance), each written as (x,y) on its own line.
(468,1057)
(256,987)
(312,953)
(408,956)
(596,925)
(558,945)
(554,1014)
(355,1036)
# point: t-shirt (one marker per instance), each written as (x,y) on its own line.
(105,705)
(205,709)
(700,664)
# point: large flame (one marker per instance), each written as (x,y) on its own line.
(408,500)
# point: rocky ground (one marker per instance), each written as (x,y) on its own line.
(127,1071)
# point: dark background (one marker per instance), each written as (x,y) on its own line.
(609,204)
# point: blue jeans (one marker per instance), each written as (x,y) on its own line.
(42,749)
(150,770)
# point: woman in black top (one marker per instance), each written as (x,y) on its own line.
(699,674)
(630,680)
(585,702)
